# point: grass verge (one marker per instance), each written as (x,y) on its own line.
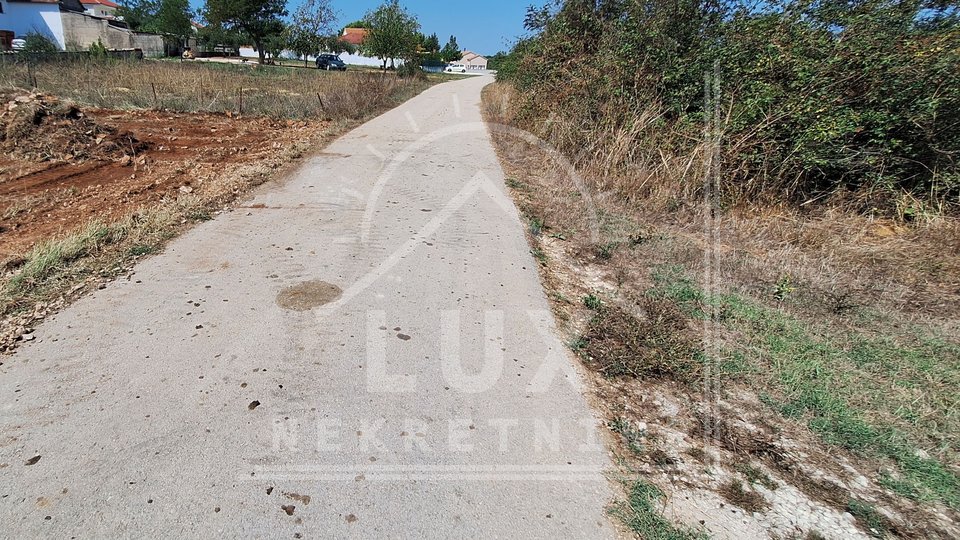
(824,356)
(641,514)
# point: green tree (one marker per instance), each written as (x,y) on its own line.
(213,36)
(393,33)
(173,21)
(356,24)
(310,26)
(451,51)
(432,44)
(332,43)
(258,19)
(275,43)
(138,14)
(536,18)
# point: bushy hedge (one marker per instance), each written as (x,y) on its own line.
(859,99)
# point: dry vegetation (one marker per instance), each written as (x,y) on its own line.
(809,379)
(288,93)
(98,171)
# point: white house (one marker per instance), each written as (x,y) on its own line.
(473,60)
(33,16)
(100,8)
(67,24)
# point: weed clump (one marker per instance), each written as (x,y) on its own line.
(751,501)
(641,514)
(658,343)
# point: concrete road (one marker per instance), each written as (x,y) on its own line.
(363,350)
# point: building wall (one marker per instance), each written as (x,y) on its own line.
(81,31)
(100,10)
(476,63)
(25,17)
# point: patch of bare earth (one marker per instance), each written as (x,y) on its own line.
(64,167)
(729,465)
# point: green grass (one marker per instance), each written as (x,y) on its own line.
(632,435)
(606,251)
(756,476)
(96,248)
(881,396)
(640,513)
(513,183)
(49,257)
(536,226)
(869,516)
(592,301)
(540,256)
(141,249)
(577,344)
(671,282)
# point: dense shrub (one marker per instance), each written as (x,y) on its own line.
(37,43)
(858,100)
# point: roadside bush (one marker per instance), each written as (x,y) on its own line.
(98,50)
(410,69)
(37,43)
(821,101)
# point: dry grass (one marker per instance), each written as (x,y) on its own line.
(746,498)
(654,342)
(211,87)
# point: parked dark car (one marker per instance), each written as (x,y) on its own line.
(330,61)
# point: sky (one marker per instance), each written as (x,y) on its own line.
(482,26)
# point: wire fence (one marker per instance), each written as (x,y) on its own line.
(128,82)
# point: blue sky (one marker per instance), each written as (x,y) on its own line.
(484,26)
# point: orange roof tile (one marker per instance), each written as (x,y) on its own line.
(354,36)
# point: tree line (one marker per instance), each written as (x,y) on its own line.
(393,32)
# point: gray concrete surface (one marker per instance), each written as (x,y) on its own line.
(433,399)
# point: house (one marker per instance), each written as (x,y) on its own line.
(473,60)
(68,24)
(40,16)
(100,8)
(354,36)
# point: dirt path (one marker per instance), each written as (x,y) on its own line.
(364,351)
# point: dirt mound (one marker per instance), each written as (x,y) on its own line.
(39,128)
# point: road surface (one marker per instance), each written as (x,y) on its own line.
(361,350)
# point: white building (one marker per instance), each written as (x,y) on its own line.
(100,8)
(23,17)
(473,61)
(68,24)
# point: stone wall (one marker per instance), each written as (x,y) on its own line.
(80,31)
